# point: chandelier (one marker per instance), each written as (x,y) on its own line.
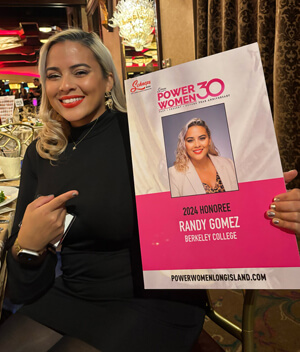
(135,18)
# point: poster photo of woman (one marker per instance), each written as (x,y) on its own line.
(203,160)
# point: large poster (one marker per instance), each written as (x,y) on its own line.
(216,108)
(7,108)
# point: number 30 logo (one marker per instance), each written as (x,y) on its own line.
(214,88)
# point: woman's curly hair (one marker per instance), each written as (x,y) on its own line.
(181,155)
(53,138)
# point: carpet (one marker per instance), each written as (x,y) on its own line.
(277,320)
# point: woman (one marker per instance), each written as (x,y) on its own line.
(81,165)
(25,96)
(198,169)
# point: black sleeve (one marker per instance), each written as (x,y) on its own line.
(24,284)
(27,284)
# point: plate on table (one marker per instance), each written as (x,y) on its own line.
(9,179)
(11,193)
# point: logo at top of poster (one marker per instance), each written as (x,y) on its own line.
(138,86)
(191,94)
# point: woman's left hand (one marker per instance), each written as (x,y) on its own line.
(285,208)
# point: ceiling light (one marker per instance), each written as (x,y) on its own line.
(135,18)
(15,86)
(45,29)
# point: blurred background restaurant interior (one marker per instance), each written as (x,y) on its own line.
(182,30)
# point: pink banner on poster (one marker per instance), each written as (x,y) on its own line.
(214,231)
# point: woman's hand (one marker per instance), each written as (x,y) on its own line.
(43,221)
(285,208)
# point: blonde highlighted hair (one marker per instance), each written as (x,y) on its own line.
(53,138)
(181,155)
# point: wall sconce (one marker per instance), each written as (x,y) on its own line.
(135,18)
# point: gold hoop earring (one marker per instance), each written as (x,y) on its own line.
(108,100)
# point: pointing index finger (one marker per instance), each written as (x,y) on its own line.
(60,200)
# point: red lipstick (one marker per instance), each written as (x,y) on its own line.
(71,101)
(198,151)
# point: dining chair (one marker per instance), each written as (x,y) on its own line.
(9,145)
(245,333)
(22,131)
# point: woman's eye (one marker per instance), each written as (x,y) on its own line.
(53,76)
(81,73)
(189,140)
(202,138)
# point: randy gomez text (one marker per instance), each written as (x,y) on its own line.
(221,228)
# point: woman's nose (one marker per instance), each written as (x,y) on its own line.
(66,84)
(197,143)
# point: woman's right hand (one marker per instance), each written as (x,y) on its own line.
(43,221)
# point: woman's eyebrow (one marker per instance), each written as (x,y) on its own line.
(72,67)
(78,65)
(52,68)
(202,135)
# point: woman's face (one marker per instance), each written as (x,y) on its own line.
(75,85)
(197,143)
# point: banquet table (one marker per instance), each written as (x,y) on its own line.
(6,214)
(7,211)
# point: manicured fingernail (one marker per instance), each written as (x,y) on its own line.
(275,221)
(270,214)
(276,199)
(74,194)
(273,206)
